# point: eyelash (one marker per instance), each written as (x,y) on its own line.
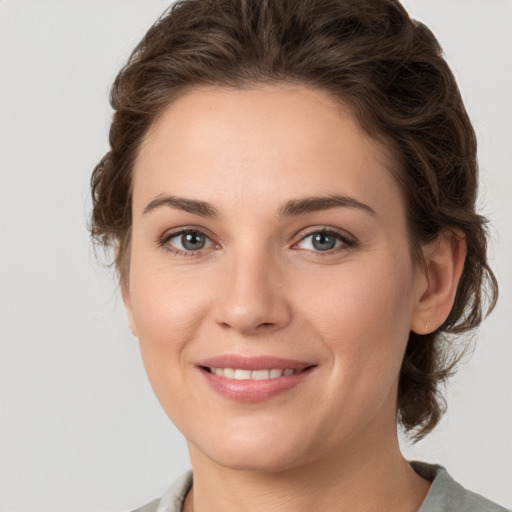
(347,242)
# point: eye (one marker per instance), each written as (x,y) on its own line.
(187,241)
(324,240)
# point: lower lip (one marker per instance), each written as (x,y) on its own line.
(253,390)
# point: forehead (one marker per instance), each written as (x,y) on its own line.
(278,140)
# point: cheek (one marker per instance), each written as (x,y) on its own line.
(364,323)
(363,315)
(167,308)
(167,312)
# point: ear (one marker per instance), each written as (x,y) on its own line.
(435,292)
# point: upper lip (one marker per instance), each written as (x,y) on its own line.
(253,363)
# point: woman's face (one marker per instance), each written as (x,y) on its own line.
(271,285)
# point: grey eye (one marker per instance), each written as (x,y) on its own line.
(189,241)
(322,241)
(193,241)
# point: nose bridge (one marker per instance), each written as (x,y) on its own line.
(252,297)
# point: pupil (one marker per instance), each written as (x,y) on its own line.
(193,241)
(323,241)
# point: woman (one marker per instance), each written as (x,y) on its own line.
(291,192)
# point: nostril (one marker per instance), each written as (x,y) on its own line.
(265,325)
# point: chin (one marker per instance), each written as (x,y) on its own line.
(252,460)
(264,452)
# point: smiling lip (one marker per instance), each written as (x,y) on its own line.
(249,387)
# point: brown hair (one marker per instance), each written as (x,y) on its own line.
(371,56)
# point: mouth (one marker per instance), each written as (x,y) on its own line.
(253,379)
(242,374)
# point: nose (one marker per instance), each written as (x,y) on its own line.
(252,298)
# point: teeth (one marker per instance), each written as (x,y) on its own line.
(242,374)
(239,374)
(260,374)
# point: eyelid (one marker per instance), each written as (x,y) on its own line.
(170,232)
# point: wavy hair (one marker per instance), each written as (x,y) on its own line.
(370,55)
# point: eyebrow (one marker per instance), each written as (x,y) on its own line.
(292,208)
(313,204)
(201,208)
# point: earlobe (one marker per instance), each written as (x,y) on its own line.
(444,261)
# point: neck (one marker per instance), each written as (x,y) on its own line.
(370,476)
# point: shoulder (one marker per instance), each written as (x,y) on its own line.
(447,495)
(172,500)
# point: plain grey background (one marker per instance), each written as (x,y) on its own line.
(80,428)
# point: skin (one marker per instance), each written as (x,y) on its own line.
(260,287)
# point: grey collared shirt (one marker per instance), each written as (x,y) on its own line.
(445,494)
